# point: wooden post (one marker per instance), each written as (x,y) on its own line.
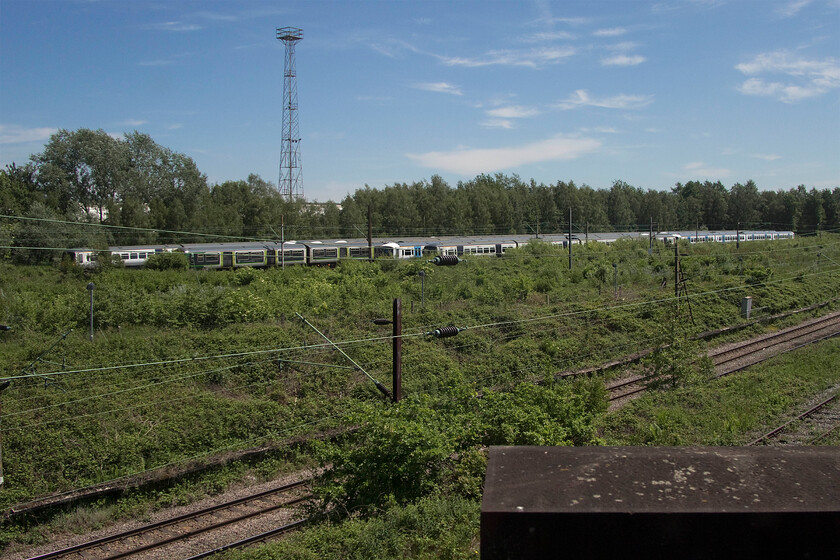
(396,393)
(370,233)
(676,268)
(570,239)
(650,237)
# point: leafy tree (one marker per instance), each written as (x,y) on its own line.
(17,189)
(745,205)
(621,205)
(84,169)
(813,210)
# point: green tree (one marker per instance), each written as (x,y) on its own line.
(82,170)
(745,205)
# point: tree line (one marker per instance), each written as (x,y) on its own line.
(146,193)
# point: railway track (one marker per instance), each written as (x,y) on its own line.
(741,356)
(628,387)
(197,534)
(807,428)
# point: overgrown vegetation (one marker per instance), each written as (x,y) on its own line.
(187,365)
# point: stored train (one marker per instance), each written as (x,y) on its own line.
(329,253)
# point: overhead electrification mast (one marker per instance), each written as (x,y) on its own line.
(290,183)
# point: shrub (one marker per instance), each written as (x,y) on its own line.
(168,261)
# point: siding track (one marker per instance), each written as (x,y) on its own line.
(186,535)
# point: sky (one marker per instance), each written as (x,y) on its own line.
(651,93)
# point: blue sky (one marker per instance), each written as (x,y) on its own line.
(648,92)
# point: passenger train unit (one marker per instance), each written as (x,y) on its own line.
(329,253)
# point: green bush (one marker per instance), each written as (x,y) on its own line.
(168,261)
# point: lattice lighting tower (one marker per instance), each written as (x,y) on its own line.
(290,181)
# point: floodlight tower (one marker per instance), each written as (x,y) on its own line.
(290,182)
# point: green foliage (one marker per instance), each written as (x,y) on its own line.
(167,261)
(397,456)
(442,528)
(423,447)
(534,415)
(678,364)
(219,332)
(728,411)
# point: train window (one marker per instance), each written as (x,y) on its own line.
(124,256)
(133,255)
(244,257)
(213,258)
(142,255)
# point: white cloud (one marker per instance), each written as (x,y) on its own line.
(766,157)
(581,98)
(792,8)
(133,122)
(513,112)
(439,87)
(497,123)
(533,58)
(701,170)
(465,161)
(14,134)
(392,48)
(547,36)
(568,20)
(614,32)
(178,26)
(623,60)
(802,77)
(156,62)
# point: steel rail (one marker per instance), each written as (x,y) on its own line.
(797,347)
(822,435)
(799,331)
(171,521)
(781,428)
(251,540)
(189,534)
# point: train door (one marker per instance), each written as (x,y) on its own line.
(227,259)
